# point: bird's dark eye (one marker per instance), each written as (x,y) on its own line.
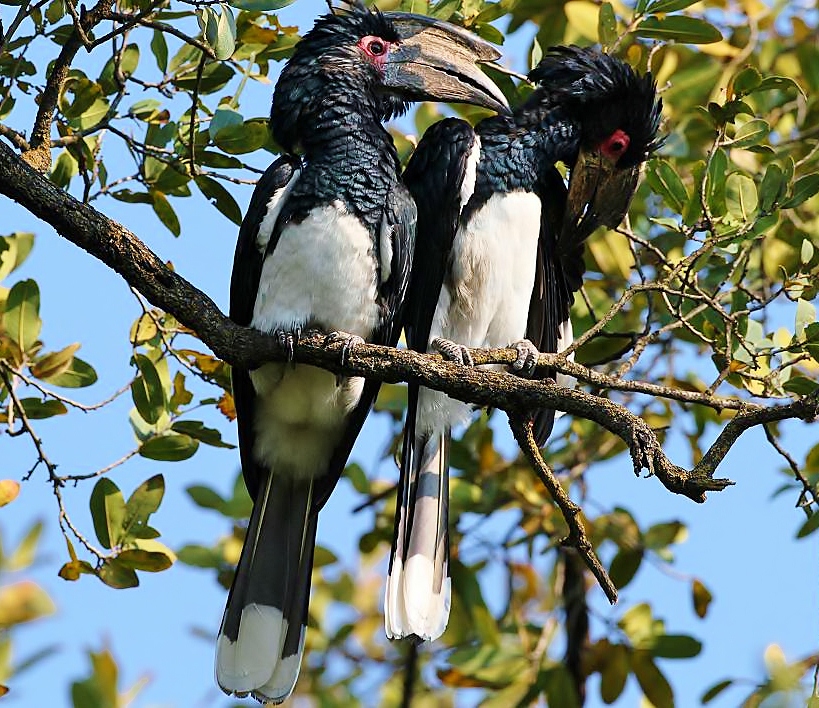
(616,144)
(376,47)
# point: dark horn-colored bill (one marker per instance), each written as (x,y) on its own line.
(599,194)
(438,61)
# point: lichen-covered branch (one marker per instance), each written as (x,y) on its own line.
(124,253)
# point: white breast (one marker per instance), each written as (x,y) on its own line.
(322,272)
(485,302)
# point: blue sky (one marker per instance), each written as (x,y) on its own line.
(741,542)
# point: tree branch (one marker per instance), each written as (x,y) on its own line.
(521,424)
(124,253)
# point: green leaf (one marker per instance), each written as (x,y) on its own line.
(149,561)
(714,691)
(615,671)
(219,30)
(679,28)
(23,555)
(804,188)
(219,197)
(624,566)
(17,248)
(21,320)
(779,83)
(79,374)
(751,133)
(656,8)
(800,385)
(241,139)
(444,9)
(55,363)
(200,556)
(662,535)
(260,5)
(197,430)
(607,25)
(675,646)
(147,390)
(740,196)
(223,117)
(663,180)
(159,47)
(773,187)
(117,575)
(205,497)
(65,167)
(323,556)
(144,501)
(746,81)
(809,526)
(164,210)
(170,447)
(715,182)
(39,409)
(107,511)
(701,598)
(465,587)
(655,686)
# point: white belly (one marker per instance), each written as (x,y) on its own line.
(321,273)
(485,303)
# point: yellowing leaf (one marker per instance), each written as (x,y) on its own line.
(23,602)
(583,16)
(9,489)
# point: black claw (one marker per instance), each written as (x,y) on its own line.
(526,363)
(452,351)
(348,343)
(288,340)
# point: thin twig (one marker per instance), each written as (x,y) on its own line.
(522,429)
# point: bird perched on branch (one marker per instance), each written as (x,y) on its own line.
(326,243)
(499,256)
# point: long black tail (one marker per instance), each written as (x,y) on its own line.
(262,635)
(418,591)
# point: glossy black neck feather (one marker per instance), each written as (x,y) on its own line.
(518,152)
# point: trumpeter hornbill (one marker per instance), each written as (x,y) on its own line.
(499,255)
(327,244)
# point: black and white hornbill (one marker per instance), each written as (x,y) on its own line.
(327,243)
(499,255)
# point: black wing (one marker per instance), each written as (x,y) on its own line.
(244,282)
(396,244)
(434,176)
(558,275)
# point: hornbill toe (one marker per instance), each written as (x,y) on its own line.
(528,354)
(288,340)
(348,343)
(452,351)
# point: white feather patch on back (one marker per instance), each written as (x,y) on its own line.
(322,272)
(274,207)
(470,173)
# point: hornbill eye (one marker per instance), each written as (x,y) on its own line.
(615,145)
(376,47)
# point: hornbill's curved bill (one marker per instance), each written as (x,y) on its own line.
(327,242)
(499,256)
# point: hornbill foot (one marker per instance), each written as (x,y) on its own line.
(348,343)
(526,362)
(288,340)
(451,351)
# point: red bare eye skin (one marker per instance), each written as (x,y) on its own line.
(374,48)
(615,145)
